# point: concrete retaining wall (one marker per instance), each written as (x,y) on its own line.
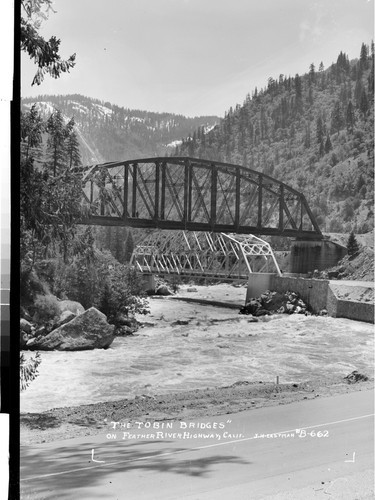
(312,291)
(317,293)
(258,283)
(331,303)
(351,309)
(361,311)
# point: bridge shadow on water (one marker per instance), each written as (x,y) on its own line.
(61,472)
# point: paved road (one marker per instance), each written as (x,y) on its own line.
(238,466)
(366,284)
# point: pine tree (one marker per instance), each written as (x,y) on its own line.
(311,96)
(263,123)
(342,67)
(358,92)
(344,95)
(350,117)
(363,56)
(312,74)
(45,54)
(337,120)
(320,134)
(203,138)
(370,79)
(56,151)
(32,127)
(352,246)
(328,144)
(307,142)
(322,75)
(72,145)
(298,88)
(364,106)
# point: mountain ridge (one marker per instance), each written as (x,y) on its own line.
(315,132)
(108,132)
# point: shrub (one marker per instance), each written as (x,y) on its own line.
(46,270)
(333,160)
(175,281)
(121,293)
(28,370)
(46,308)
(78,281)
(30,285)
(104,283)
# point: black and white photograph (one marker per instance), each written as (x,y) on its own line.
(196,250)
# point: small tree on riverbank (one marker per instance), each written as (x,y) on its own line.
(28,370)
(352,246)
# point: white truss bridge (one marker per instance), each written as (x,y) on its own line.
(204,254)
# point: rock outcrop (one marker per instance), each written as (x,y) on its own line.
(275,303)
(88,330)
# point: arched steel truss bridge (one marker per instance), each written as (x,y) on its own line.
(196,195)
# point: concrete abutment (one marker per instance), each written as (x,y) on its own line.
(319,294)
(309,255)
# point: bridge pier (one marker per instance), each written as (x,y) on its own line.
(309,255)
(148,283)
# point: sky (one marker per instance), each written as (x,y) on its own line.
(194,57)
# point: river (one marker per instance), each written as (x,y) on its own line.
(217,347)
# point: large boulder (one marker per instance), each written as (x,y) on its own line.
(70,305)
(65,317)
(89,330)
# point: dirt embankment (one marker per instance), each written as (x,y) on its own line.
(361,267)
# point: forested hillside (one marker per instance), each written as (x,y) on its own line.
(107,132)
(314,132)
